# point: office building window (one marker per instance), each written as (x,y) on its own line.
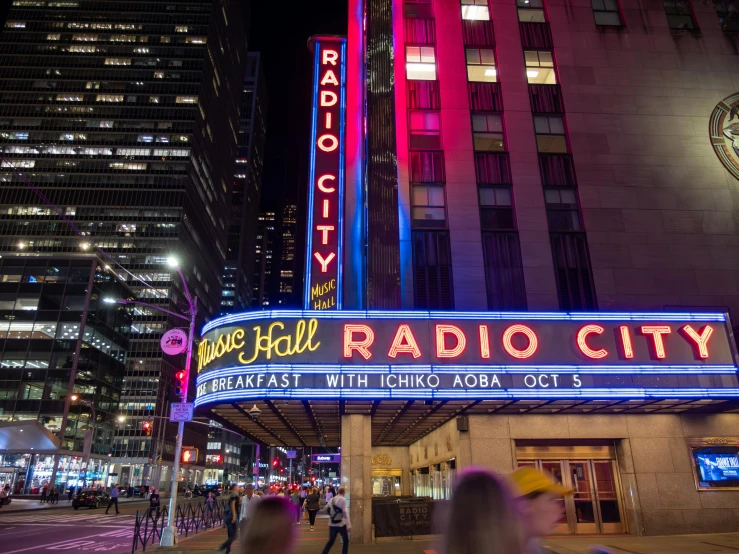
(424,130)
(728,15)
(428,206)
(481,65)
(420,62)
(540,67)
(432,270)
(420,9)
(680,15)
(475,10)
(550,134)
(427,167)
(572,272)
(487,132)
(496,209)
(117,61)
(531,11)
(606,13)
(562,209)
(503,271)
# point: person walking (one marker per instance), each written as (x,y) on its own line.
(44,492)
(270,528)
(70,493)
(312,504)
(329,494)
(210,508)
(113,500)
(231,518)
(53,495)
(248,505)
(339,524)
(541,505)
(154,504)
(296,501)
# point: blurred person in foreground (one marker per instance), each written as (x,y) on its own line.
(540,504)
(338,522)
(269,529)
(482,517)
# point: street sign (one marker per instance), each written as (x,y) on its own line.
(174,342)
(326,458)
(189,455)
(180,411)
(332,474)
(290,454)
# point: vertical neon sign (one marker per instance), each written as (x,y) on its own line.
(324,259)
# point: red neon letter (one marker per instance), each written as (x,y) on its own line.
(324,261)
(657,331)
(404,343)
(330,56)
(328,98)
(701,339)
(512,350)
(361,346)
(325,208)
(325,229)
(329,78)
(333,143)
(484,342)
(323,178)
(584,348)
(441,350)
(626,340)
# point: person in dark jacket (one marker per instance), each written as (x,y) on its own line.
(312,505)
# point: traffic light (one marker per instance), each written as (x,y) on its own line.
(275,462)
(146,426)
(189,455)
(180,382)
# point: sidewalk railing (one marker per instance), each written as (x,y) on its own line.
(190,518)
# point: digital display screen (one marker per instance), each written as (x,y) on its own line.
(717,467)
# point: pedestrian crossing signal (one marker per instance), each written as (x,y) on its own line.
(189,455)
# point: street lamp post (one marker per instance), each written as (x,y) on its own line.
(169,533)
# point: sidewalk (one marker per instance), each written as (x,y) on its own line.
(312,543)
(30,505)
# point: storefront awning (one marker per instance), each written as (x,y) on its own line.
(20,437)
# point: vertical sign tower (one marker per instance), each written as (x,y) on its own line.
(324,259)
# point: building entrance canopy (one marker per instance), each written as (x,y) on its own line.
(26,436)
(448,362)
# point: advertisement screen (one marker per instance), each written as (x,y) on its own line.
(717,467)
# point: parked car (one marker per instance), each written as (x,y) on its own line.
(217,490)
(89,499)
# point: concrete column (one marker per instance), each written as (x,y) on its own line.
(356,467)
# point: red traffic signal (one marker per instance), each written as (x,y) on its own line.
(146,426)
(275,462)
(189,455)
(181,378)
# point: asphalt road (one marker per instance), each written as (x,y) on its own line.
(68,530)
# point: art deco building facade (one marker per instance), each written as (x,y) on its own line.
(125,116)
(239,273)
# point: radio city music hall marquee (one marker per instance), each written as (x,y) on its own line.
(326,176)
(318,354)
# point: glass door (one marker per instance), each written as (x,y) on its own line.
(582,501)
(606,495)
(555,468)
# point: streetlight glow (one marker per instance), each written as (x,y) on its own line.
(121,418)
(74,398)
(110,300)
(172,261)
(85,245)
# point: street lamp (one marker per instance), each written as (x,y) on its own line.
(169,533)
(88,445)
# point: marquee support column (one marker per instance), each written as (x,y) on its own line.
(356,451)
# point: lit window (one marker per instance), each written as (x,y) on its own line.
(420,9)
(540,67)
(180,29)
(487,132)
(428,206)
(141,50)
(164,40)
(15,24)
(117,61)
(531,11)
(159,74)
(131,166)
(424,130)
(153,100)
(606,13)
(195,40)
(109,98)
(53,37)
(64,4)
(186,100)
(481,65)
(420,63)
(133,152)
(82,49)
(562,209)
(122,38)
(18,163)
(92,85)
(550,134)
(496,208)
(69,98)
(680,15)
(475,10)
(85,38)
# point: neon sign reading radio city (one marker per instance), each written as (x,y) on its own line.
(452,355)
(326,192)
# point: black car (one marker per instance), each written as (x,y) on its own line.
(217,490)
(89,499)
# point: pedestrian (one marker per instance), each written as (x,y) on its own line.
(210,506)
(540,504)
(113,500)
(231,518)
(482,517)
(329,494)
(339,524)
(53,495)
(270,528)
(154,504)
(312,504)
(70,493)
(248,505)
(296,501)
(44,492)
